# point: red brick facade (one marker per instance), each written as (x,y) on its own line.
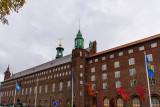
(81,63)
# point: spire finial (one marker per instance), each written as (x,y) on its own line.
(79,23)
(8,67)
(60,42)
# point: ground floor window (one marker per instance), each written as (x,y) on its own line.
(106,102)
(136,102)
(155,102)
(120,102)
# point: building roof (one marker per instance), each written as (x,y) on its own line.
(44,66)
(127,45)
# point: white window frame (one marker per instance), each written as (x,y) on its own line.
(116,64)
(104,67)
(93,78)
(104,76)
(141,48)
(118,84)
(104,85)
(117,74)
(131,61)
(93,69)
(120,53)
(153,45)
(130,51)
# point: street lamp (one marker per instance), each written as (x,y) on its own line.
(50,99)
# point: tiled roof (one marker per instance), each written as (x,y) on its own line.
(127,45)
(44,66)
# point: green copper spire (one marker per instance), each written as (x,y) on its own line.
(60,50)
(79,41)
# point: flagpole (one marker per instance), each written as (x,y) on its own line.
(36,92)
(72,90)
(148,82)
(15,94)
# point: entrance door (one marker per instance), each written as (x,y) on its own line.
(106,102)
(136,102)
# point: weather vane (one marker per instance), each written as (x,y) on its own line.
(60,41)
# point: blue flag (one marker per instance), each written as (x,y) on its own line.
(149,67)
(18,87)
(74,78)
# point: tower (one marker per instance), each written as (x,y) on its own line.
(79,41)
(60,50)
(7,74)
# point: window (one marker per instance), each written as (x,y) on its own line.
(80,53)
(46,88)
(60,101)
(90,61)
(152,81)
(131,61)
(141,48)
(117,74)
(53,70)
(69,85)
(96,60)
(30,90)
(62,68)
(93,86)
(66,73)
(40,89)
(53,88)
(155,101)
(93,69)
(22,91)
(61,86)
(81,82)
(118,84)
(133,83)
(93,78)
(130,51)
(120,53)
(116,64)
(68,66)
(35,89)
(106,102)
(104,76)
(104,67)
(46,102)
(26,91)
(150,57)
(153,45)
(104,85)
(81,66)
(65,67)
(136,102)
(112,56)
(120,102)
(103,58)
(81,74)
(68,101)
(132,72)
(81,93)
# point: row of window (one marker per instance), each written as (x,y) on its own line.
(133,82)
(117,63)
(11,93)
(141,48)
(135,102)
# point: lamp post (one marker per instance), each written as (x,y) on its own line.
(96,98)
(50,99)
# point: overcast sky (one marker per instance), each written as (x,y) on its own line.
(32,35)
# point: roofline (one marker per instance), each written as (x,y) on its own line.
(127,45)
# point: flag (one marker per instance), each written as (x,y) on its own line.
(18,87)
(74,78)
(149,67)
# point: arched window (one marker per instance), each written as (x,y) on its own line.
(60,101)
(53,101)
(120,102)
(94,101)
(39,101)
(106,102)
(136,102)
(46,102)
(68,102)
(155,102)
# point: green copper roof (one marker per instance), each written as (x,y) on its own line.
(79,35)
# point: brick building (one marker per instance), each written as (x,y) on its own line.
(121,67)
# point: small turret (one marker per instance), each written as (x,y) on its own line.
(7,74)
(60,50)
(79,41)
